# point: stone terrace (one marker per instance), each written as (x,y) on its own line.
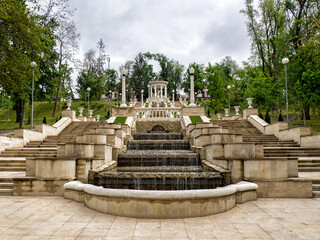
(57,218)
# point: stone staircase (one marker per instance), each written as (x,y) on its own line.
(308,158)
(14,160)
(316,188)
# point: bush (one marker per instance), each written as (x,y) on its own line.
(267,117)
(208,113)
(280,118)
(260,115)
(44,120)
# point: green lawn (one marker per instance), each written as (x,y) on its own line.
(195,119)
(121,120)
(45,109)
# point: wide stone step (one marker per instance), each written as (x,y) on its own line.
(161,169)
(312,164)
(6,192)
(158,158)
(159,180)
(6,185)
(309,169)
(12,169)
(40,145)
(316,194)
(12,164)
(157,136)
(158,144)
(27,155)
(315,187)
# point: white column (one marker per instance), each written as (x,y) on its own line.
(155,91)
(192,88)
(161,91)
(123,104)
(165,91)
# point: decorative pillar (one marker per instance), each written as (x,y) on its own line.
(123,104)
(161,91)
(192,88)
(165,92)
(155,91)
(142,98)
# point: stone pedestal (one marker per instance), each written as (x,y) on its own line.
(69,113)
(249,111)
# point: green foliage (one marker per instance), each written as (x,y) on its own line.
(121,120)
(196,119)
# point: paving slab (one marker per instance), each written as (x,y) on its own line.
(58,218)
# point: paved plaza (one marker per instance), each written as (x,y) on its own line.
(58,218)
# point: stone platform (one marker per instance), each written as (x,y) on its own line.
(52,218)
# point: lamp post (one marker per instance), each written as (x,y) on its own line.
(172,98)
(285,61)
(141,98)
(110,96)
(88,89)
(192,104)
(123,103)
(205,92)
(32,65)
(229,87)
(8,106)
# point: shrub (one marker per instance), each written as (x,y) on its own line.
(280,118)
(267,117)
(260,115)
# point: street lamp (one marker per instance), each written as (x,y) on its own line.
(229,87)
(192,104)
(285,61)
(141,98)
(88,89)
(205,92)
(8,105)
(172,98)
(32,65)
(110,96)
(123,102)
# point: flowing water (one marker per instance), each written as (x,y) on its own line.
(158,161)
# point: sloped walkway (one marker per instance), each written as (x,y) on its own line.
(58,218)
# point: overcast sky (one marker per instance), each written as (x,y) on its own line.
(188,31)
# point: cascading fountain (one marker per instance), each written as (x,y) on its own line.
(158,161)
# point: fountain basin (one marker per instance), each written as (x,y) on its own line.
(160,204)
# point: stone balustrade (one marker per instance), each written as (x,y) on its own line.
(158,112)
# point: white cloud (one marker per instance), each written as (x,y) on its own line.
(199,31)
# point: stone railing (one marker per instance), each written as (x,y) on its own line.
(157,112)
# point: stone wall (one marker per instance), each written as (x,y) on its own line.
(146,125)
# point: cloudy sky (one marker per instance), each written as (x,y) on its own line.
(188,31)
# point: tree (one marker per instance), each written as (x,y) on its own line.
(22,40)
(67,43)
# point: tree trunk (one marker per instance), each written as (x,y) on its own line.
(59,82)
(20,108)
(306,112)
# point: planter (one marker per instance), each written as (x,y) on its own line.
(249,102)
(237,109)
(227,112)
(69,104)
(80,111)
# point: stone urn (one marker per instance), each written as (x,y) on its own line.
(237,109)
(249,102)
(80,111)
(90,113)
(98,118)
(219,116)
(69,101)
(226,110)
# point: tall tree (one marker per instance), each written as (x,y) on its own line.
(22,40)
